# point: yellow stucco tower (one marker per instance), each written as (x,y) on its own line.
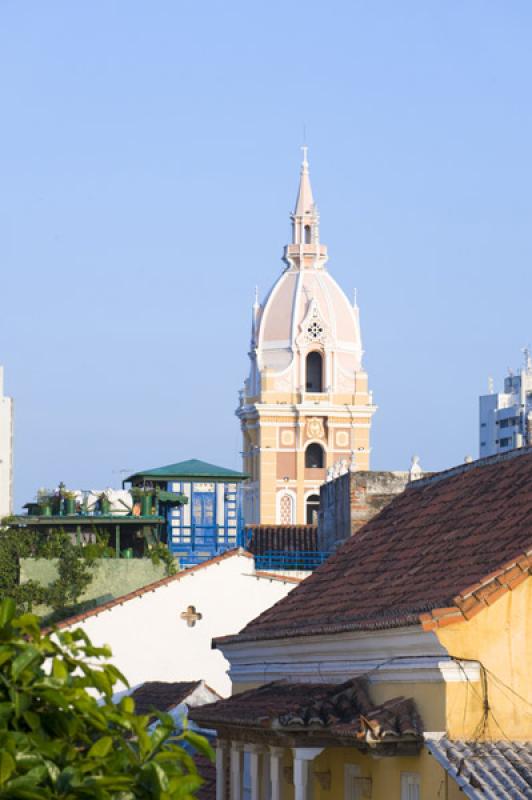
(305,407)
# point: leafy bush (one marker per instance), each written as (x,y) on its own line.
(74,574)
(57,740)
(159,553)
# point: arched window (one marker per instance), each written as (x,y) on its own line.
(314,456)
(314,366)
(286,509)
(308,234)
(313,506)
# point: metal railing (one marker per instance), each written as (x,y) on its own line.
(208,540)
(305,560)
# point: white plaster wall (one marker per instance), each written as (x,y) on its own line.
(150,641)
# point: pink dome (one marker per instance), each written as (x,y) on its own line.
(300,297)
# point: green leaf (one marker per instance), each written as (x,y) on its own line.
(28,781)
(5,654)
(21,703)
(29,623)
(116,675)
(127,704)
(24,660)
(7,766)
(7,611)
(59,669)
(101,748)
(199,743)
(32,719)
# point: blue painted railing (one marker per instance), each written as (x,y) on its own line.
(192,544)
(306,560)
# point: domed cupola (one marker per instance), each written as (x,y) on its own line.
(307,311)
(306,355)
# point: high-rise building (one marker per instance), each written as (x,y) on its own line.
(506,417)
(305,405)
(6,451)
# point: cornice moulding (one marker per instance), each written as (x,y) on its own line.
(399,655)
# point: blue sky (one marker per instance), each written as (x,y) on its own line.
(149,155)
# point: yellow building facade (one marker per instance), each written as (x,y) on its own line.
(305,407)
(400,669)
(469,681)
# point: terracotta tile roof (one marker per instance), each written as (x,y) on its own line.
(438,553)
(282,538)
(161,695)
(341,710)
(487,770)
(150,587)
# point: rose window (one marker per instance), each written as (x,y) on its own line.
(315,330)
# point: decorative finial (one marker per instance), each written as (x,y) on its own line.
(355,298)
(304,165)
(415,469)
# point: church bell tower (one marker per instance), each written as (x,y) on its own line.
(305,406)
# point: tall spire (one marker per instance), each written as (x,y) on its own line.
(305,219)
(305,250)
(305,201)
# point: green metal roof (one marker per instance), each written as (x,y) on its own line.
(193,468)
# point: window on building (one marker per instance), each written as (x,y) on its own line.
(313,506)
(410,786)
(508,422)
(308,234)
(286,509)
(203,509)
(352,784)
(506,441)
(314,378)
(314,456)
(482,424)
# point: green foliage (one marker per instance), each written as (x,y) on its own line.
(74,574)
(160,554)
(137,492)
(99,548)
(59,741)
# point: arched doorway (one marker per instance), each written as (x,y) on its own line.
(314,456)
(312,508)
(314,372)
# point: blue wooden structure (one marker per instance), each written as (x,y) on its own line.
(210,521)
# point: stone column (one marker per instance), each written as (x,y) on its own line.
(303,756)
(276,766)
(236,770)
(254,756)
